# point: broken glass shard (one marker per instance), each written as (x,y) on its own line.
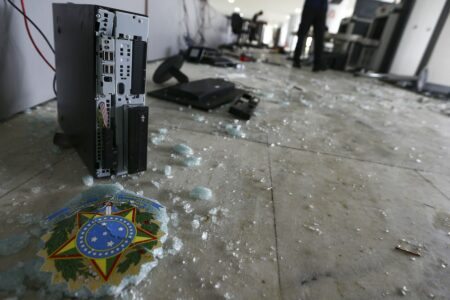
(201,193)
(192,161)
(183,149)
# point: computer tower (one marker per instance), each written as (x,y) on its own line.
(101,58)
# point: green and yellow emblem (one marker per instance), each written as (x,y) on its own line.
(101,244)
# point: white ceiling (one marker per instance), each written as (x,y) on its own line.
(275,11)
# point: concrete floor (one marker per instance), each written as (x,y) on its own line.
(310,204)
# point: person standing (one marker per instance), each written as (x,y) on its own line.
(315,14)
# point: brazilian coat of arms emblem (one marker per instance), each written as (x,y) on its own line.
(104,239)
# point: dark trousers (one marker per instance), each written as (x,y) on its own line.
(316,18)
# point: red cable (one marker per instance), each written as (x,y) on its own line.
(31,37)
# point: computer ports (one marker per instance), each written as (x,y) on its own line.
(108,55)
(108,69)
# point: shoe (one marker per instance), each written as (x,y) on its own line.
(296,65)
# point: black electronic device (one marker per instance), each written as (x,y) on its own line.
(208,56)
(244,107)
(195,54)
(203,94)
(101,58)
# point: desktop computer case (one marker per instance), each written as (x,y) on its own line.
(100,71)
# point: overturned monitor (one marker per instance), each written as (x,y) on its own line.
(101,58)
(203,94)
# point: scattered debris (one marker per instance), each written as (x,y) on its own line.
(36,190)
(201,193)
(192,161)
(183,149)
(213,211)
(163,131)
(174,219)
(160,137)
(404,290)
(168,171)
(187,207)
(235,130)
(409,249)
(156,184)
(177,245)
(199,118)
(314,228)
(195,223)
(233,76)
(88,180)
(157,139)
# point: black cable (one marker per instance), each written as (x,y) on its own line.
(54,84)
(34,25)
(201,27)
(186,20)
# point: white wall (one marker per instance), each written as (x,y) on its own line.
(217,28)
(165,28)
(275,11)
(439,64)
(25,80)
(172,21)
(416,37)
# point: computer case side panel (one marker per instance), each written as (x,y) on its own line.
(74,32)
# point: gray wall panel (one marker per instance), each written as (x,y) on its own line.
(165,34)
(439,64)
(416,37)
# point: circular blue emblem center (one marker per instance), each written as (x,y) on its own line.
(105,236)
